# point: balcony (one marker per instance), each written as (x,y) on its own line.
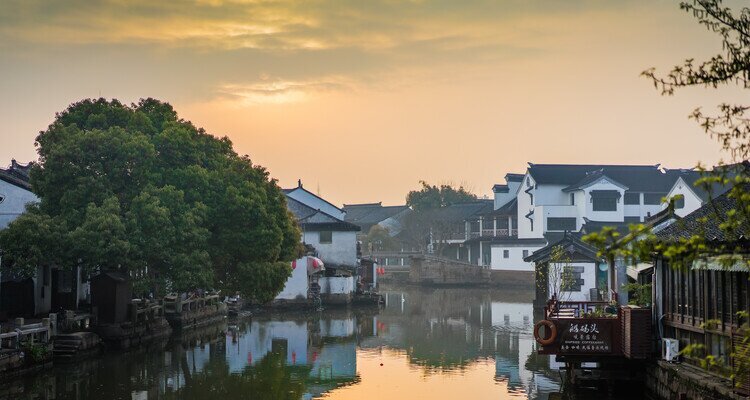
(499,232)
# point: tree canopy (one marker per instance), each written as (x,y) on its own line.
(134,188)
(433,196)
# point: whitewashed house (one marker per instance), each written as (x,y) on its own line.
(556,200)
(330,238)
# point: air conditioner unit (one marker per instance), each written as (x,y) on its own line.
(670,350)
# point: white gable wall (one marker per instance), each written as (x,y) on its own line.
(692,201)
(14,203)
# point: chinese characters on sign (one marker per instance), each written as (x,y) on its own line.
(590,337)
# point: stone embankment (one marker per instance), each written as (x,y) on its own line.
(686,382)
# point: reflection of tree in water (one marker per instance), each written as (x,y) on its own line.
(442,328)
(270,378)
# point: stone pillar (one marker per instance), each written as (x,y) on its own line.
(510,226)
(481,255)
(621,279)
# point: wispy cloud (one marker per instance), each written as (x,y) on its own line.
(278,91)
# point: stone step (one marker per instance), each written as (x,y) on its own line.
(66,348)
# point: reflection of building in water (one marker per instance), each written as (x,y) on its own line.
(328,347)
(445,328)
(515,346)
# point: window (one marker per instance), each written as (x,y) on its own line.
(532,224)
(605,200)
(525,253)
(679,202)
(632,220)
(325,237)
(571,280)
(506,253)
(604,204)
(572,199)
(561,224)
(653,198)
(632,198)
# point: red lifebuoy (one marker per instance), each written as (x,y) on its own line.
(552,332)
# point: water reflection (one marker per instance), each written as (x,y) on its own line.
(439,343)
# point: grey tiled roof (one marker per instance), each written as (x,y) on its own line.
(462,211)
(315,220)
(509,208)
(367,215)
(17,174)
(706,222)
(638,178)
(570,241)
(300,210)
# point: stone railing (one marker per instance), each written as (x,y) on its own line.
(40,332)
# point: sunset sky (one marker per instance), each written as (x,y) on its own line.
(362,99)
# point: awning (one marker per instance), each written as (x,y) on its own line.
(605,194)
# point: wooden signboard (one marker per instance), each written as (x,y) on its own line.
(587,336)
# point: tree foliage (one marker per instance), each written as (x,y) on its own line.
(135,188)
(430,197)
(427,228)
(379,239)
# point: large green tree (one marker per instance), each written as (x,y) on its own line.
(137,189)
(430,197)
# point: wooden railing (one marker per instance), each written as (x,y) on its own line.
(556,309)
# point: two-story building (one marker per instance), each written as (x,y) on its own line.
(324,227)
(552,199)
(327,236)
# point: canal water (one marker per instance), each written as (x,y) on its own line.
(424,344)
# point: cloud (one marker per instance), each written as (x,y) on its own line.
(218,48)
(281,25)
(278,91)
